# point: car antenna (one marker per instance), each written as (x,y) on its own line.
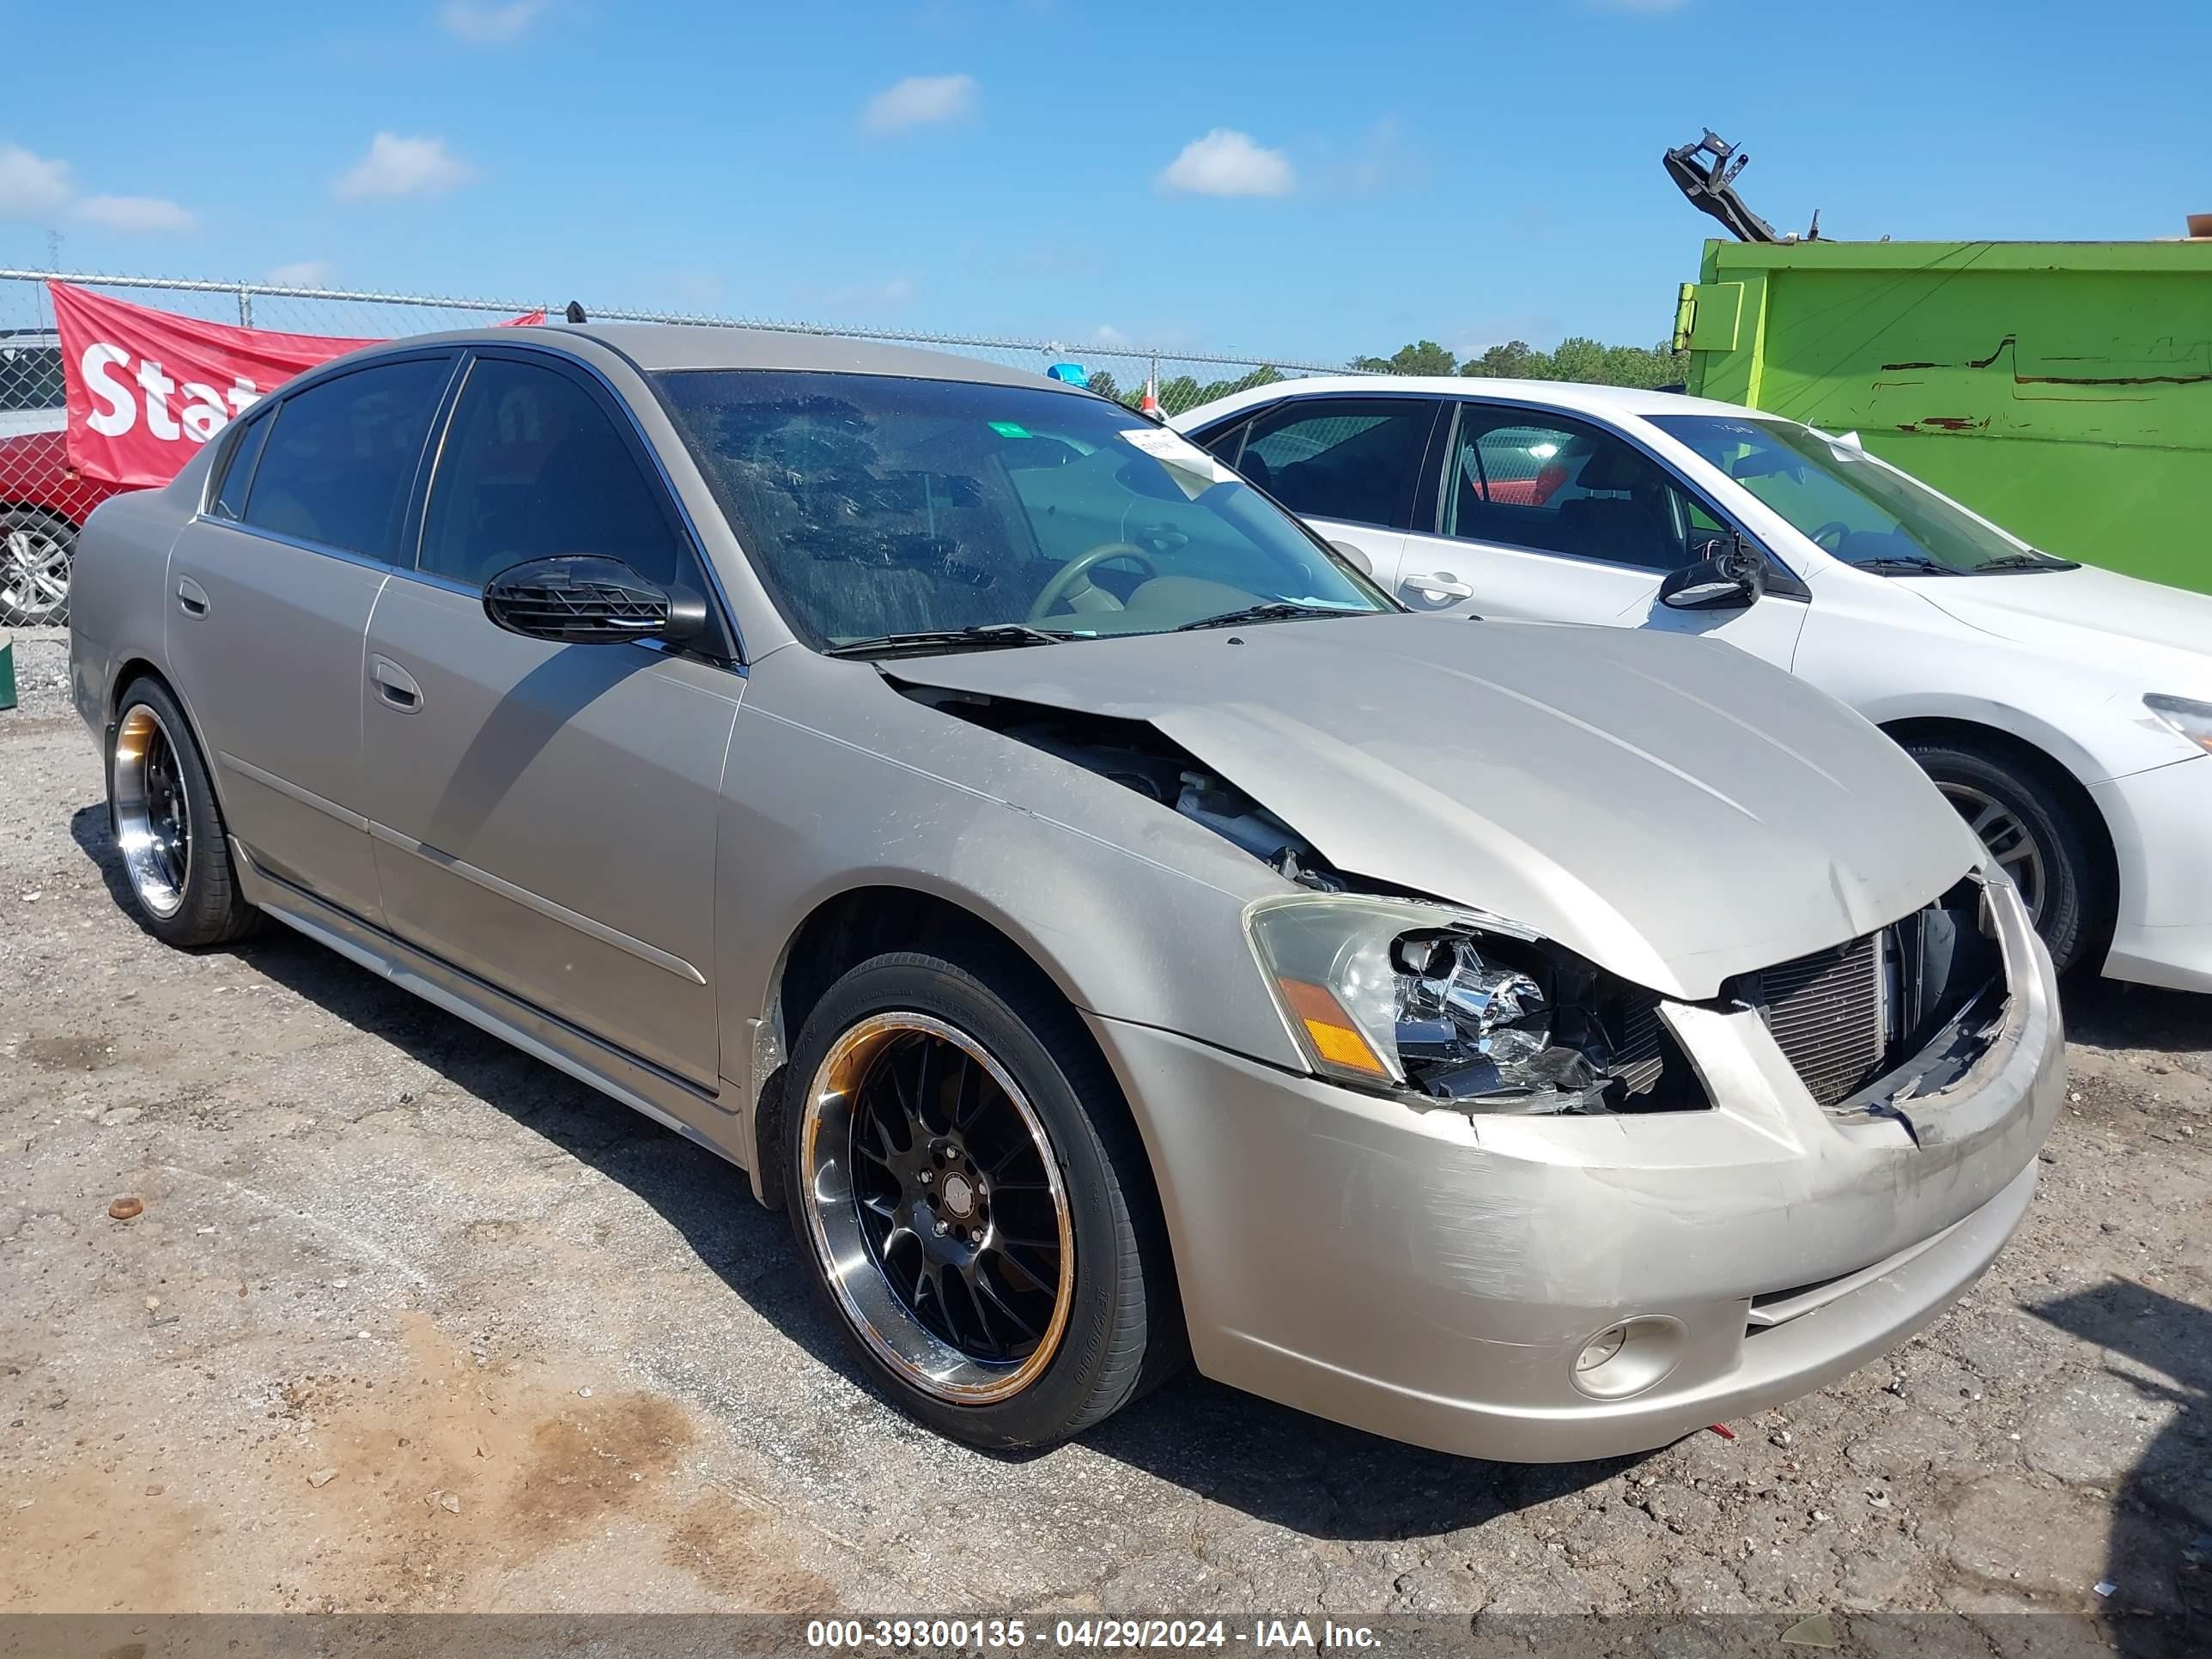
(575,312)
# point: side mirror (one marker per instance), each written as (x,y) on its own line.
(1731,576)
(581,598)
(1356,557)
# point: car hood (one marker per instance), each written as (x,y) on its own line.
(2084,612)
(1670,808)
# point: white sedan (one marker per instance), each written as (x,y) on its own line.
(2065,711)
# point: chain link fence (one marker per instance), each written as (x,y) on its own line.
(43,500)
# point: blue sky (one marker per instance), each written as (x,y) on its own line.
(1302,179)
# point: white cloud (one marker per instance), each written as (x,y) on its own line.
(1380,163)
(483,25)
(1106,335)
(133,215)
(303,273)
(1226,162)
(31,186)
(402,167)
(919,100)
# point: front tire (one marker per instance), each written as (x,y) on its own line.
(972,1201)
(169,827)
(2033,832)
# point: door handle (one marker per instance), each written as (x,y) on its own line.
(1442,581)
(395,685)
(192,597)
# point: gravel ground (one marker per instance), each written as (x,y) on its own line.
(412,1322)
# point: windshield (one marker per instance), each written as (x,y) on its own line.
(1850,504)
(876,506)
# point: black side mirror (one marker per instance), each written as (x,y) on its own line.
(1730,576)
(581,598)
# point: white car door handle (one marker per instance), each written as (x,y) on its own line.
(1442,581)
(192,597)
(395,684)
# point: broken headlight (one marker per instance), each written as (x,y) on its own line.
(1399,993)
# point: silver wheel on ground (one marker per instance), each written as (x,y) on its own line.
(2010,842)
(34,570)
(153,811)
(932,1199)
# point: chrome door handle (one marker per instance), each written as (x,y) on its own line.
(192,597)
(1441,581)
(395,685)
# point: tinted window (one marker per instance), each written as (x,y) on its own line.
(1336,458)
(1558,485)
(238,469)
(873,505)
(30,376)
(532,467)
(1223,440)
(340,458)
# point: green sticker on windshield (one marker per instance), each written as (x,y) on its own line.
(1008,429)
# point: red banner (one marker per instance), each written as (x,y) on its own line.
(146,388)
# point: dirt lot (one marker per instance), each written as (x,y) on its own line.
(410,1322)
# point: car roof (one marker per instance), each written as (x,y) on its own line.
(1555,394)
(655,347)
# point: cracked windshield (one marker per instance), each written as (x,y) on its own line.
(890,513)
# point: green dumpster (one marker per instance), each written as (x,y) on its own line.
(2062,389)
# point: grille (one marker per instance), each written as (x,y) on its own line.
(1825,1012)
(1637,1059)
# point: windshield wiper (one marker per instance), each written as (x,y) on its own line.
(2026,561)
(1905,564)
(1267,610)
(983,637)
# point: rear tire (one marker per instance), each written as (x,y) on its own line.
(37,552)
(168,826)
(959,1151)
(2036,834)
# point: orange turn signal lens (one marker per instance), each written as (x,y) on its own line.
(1330,1030)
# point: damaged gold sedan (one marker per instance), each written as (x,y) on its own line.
(1113,929)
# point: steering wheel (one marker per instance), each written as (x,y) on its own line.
(1835,527)
(1074,575)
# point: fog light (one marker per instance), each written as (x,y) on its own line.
(1629,1358)
(1601,1347)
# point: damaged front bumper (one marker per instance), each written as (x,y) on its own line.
(1541,1289)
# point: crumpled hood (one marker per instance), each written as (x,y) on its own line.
(1670,808)
(2085,613)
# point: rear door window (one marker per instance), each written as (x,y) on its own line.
(1357,459)
(238,466)
(339,462)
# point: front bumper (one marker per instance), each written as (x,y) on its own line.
(1432,1278)
(2162,933)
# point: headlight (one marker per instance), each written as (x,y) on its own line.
(1402,994)
(2192,719)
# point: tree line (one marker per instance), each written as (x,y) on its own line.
(1575,358)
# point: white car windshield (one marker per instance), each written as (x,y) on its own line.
(882,511)
(1850,503)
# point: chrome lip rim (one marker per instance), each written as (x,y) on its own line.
(2007,839)
(891,1327)
(35,574)
(153,812)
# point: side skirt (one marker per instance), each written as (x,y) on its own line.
(668,1100)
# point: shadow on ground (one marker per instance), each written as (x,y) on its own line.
(1273,1463)
(2111,1014)
(2162,1521)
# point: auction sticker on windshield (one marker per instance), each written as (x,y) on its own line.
(1193,470)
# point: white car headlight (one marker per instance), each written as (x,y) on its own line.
(1402,994)
(2193,720)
